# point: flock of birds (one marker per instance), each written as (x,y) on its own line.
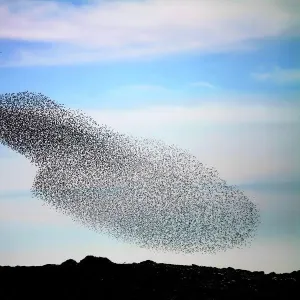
(137,190)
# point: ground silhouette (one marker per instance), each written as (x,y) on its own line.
(99,278)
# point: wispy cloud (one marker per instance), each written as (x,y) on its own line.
(212,112)
(279,76)
(244,139)
(223,134)
(104,30)
(145,87)
(203,84)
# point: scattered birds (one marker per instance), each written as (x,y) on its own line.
(140,191)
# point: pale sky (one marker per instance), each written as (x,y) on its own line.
(220,80)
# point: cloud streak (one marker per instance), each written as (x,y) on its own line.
(144,87)
(279,76)
(233,136)
(225,112)
(203,84)
(110,30)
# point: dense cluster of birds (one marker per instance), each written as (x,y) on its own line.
(141,191)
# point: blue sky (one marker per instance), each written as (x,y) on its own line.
(222,81)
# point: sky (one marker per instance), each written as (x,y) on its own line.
(220,78)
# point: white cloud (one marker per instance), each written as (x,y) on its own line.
(244,141)
(228,112)
(279,76)
(107,30)
(203,84)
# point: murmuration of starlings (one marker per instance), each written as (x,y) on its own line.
(139,191)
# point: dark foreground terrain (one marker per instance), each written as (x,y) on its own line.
(99,278)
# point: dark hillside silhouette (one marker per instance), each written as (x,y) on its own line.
(99,278)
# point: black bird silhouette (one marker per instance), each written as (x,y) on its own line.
(138,190)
